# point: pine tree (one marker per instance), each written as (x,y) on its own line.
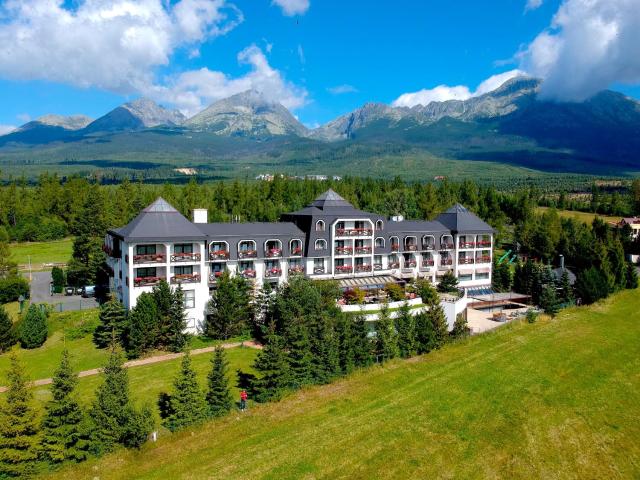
(460,327)
(273,370)
(143,326)
(299,355)
(439,325)
(362,344)
(565,285)
(386,336)
(163,297)
(113,323)
(230,308)
(448,283)
(406,328)
(176,337)
(33,330)
(7,338)
(346,341)
(549,300)
(218,394)
(62,426)
(188,405)
(19,435)
(115,420)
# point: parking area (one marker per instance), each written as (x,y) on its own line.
(41,293)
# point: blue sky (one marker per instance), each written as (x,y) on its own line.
(321,58)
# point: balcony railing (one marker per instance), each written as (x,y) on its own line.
(446,246)
(483,243)
(428,246)
(411,247)
(219,255)
(427,263)
(296,251)
(394,264)
(344,268)
(247,254)
(467,244)
(185,257)
(344,250)
(273,253)
(296,269)
(273,272)
(248,273)
(186,278)
(150,258)
(318,270)
(483,259)
(377,266)
(363,268)
(446,261)
(363,250)
(410,264)
(354,232)
(213,278)
(395,247)
(146,281)
(465,261)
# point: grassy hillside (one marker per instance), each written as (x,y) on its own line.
(556,399)
(583,216)
(39,253)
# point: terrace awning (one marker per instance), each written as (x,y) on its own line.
(483,270)
(367,283)
(465,272)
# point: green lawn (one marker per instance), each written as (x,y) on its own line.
(55,251)
(555,399)
(583,216)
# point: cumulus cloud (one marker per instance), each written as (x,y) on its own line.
(341,89)
(442,93)
(111,44)
(191,91)
(4,129)
(589,45)
(533,5)
(292,7)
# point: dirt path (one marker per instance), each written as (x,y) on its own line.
(147,361)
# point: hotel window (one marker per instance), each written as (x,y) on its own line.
(319,226)
(379,242)
(482,275)
(189,297)
(318,263)
(183,270)
(183,248)
(146,272)
(145,250)
(379,225)
(321,244)
(465,277)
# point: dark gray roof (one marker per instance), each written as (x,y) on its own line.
(330,203)
(159,221)
(459,219)
(330,199)
(415,226)
(250,229)
(557,273)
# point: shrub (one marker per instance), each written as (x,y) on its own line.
(395,292)
(354,296)
(12,287)
(33,330)
(58,277)
(532,316)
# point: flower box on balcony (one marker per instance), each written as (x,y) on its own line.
(467,244)
(318,270)
(274,252)
(344,268)
(427,263)
(363,250)
(465,261)
(296,251)
(446,261)
(344,250)
(483,259)
(296,269)
(185,257)
(186,278)
(411,264)
(395,247)
(363,268)
(483,243)
(411,248)
(273,272)
(377,266)
(247,254)
(394,265)
(151,258)
(249,273)
(146,281)
(219,255)
(428,246)
(446,246)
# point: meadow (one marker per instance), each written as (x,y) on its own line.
(40,253)
(559,398)
(585,217)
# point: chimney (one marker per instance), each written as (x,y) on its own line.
(200,215)
(562,262)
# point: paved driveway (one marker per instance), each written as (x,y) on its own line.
(40,293)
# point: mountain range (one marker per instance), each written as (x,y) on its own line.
(511,124)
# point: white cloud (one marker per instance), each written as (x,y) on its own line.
(442,93)
(589,45)
(340,89)
(191,91)
(4,129)
(111,44)
(292,7)
(533,5)
(24,117)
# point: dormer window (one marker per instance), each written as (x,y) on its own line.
(379,242)
(379,225)
(321,244)
(320,226)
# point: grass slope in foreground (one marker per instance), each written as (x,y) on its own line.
(556,399)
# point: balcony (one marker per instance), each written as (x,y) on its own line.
(410,264)
(344,269)
(446,261)
(363,250)
(394,265)
(483,259)
(273,273)
(363,268)
(185,257)
(446,246)
(428,263)
(247,254)
(213,278)
(377,266)
(296,252)
(150,258)
(395,247)
(185,278)
(354,232)
(318,270)
(411,247)
(273,253)
(147,281)
(344,250)
(467,244)
(428,246)
(483,243)
(248,273)
(219,255)
(294,270)
(465,261)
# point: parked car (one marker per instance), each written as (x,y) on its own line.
(69,291)
(88,291)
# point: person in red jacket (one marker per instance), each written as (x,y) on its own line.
(243,400)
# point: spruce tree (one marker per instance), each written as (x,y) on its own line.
(164,298)
(63,438)
(460,327)
(549,300)
(406,328)
(448,283)
(33,330)
(218,393)
(386,336)
(425,334)
(325,350)
(143,326)
(439,325)
(362,344)
(272,370)
(632,275)
(299,355)
(115,420)
(113,323)
(176,337)
(7,338)
(346,342)
(230,308)
(565,285)
(19,435)
(188,405)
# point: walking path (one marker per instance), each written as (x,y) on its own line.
(148,361)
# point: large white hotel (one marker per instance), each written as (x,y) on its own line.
(329,239)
